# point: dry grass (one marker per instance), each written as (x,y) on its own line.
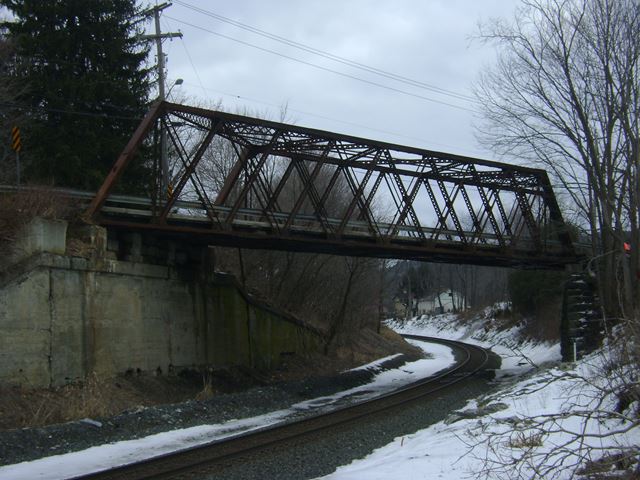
(525,440)
(24,407)
(19,208)
(620,466)
(208,390)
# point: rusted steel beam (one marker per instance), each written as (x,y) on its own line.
(489,255)
(308,180)
(232,177)
(451,211)
(189,169)
(281,184)
(246,188)
(125,157)
(266,198)
(488,210)
(372,194)
(555,214)
(309,189)
(358,192)
(314,133)
(406,199)
(474,217)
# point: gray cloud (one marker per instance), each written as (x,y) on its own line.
(424,40)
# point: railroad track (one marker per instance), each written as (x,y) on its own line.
(473,359)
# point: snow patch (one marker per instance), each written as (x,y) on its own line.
(120,453)
(451,451)
(475,437)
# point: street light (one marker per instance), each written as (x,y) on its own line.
(179,81)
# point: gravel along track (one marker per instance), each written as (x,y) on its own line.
(24,444)
(316,445)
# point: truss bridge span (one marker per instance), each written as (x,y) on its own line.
(223,179)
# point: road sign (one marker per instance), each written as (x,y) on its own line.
(16,143)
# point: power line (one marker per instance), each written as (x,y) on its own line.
(193,65)
(326,69)
(330,56)
(332,119)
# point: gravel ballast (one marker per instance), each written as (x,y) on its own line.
(321,454)
(31,443)
(312,456)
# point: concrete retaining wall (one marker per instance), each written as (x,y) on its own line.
(63,317)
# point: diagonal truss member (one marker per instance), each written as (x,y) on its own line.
(254,183)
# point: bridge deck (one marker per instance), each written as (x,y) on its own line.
(249,229)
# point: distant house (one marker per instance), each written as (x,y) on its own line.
(403,309)
(440,303)
(399,307)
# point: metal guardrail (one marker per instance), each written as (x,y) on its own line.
(185,211)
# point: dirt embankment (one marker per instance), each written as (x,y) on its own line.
(21,406)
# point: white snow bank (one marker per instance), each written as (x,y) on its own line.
(105,456)
(471,445)
(518,356)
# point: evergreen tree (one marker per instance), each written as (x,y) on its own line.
(87,86)
(9,115)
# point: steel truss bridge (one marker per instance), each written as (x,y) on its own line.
(239,181)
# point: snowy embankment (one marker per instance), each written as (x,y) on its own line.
(518,355)
(102,457)
(547,424)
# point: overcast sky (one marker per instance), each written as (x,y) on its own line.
(429,41)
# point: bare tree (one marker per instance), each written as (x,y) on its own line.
(587,437)
(333,294)
(564,93)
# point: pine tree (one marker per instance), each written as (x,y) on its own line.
(87,86)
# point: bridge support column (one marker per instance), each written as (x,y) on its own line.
(581,323)
(207,263)
(135,254)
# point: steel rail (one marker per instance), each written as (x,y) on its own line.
(210,454)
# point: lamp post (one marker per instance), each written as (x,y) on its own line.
(179,81)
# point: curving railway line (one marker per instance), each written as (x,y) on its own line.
(216,454)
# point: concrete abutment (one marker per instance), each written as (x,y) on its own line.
(81,300)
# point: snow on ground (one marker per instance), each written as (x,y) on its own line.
(518,356)
(491,439)
(119,453)
(375,365)
(519,421)
(440,357)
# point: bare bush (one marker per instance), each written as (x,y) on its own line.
(19,208)
(600,409)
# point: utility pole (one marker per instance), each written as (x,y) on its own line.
(158,37)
